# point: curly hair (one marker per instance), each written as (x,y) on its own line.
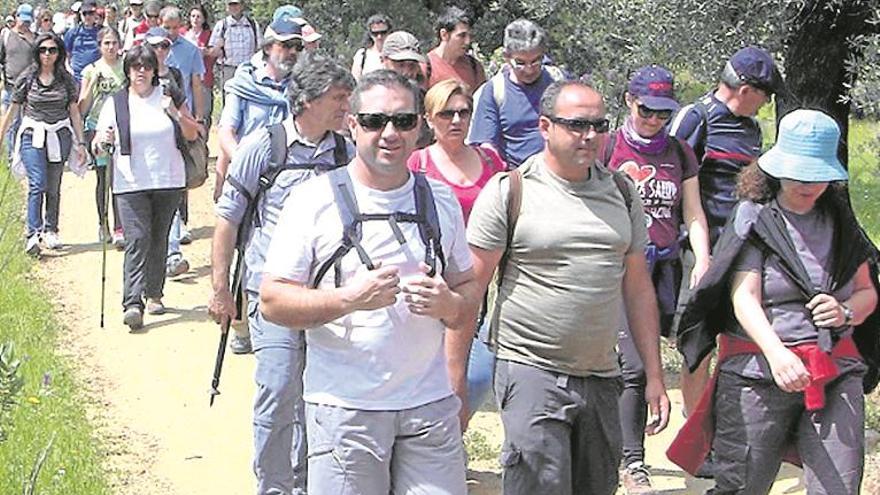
(755,185)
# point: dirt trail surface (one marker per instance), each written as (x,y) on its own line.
(151,387)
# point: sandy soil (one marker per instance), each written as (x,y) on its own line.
(151,387)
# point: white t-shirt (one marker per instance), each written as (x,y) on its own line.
(386,359)
(155,162)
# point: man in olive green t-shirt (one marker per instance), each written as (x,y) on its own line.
(575,263)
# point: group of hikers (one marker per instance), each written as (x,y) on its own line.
(412,236)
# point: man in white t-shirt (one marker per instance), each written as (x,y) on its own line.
(380,411)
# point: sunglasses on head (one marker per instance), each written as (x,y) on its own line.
(582,125)
(463,113)
(378,121)
(647,113)
(294,44)
(381,32)
(51,50)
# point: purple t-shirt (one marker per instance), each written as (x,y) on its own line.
(658,179)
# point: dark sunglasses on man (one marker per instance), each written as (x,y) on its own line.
(378,121)
(293,44)
(581,126)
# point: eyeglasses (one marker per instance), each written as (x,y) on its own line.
(378,121)
(45,20)
(463,113)
(521,64)
(88,12)
(153,16)
(382,32)
(293,44)
(647,113)
(161,46)
(141,67)
(582,126)
(51,50)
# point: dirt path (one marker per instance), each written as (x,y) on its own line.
(152,386)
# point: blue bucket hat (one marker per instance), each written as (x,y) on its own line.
(806,150)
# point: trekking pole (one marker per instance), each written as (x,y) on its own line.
(224,331)
(105,228)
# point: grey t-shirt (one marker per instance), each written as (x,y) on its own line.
(812,234)
(16,55)
(560,303)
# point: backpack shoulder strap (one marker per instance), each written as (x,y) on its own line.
(620,179)
(498,88)
(340,150)
(123,120)
(253,24)
(429,224)
(609,148)
(278,143)
(514,205)
(679,149)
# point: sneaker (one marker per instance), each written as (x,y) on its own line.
(637,479)
(185,235)
(241,344)
(32,245)
(176,266)
(134,318)
(52,240)
(104,234)
(118,239)
(155,307)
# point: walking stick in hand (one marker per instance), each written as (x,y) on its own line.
(224,330)
(105,229)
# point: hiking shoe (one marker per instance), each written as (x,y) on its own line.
(32,245)
(241,344)
(155,307)
(176,266)
(52,240)
(133,317)
(185,235)
(637,479)
(118,239)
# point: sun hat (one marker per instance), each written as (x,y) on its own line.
(806,149)
(653,85)
(400,46)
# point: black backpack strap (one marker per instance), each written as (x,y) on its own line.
(679,150)
(609,148)
(350,216)
(340,150)
(620,179)
(123,120)
(429,223)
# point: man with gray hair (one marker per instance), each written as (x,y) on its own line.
(267,164)
(506,106)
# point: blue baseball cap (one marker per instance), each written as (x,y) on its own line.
(755,67)
(654,86)
(25,13)
(156,35)
(291,11)
(283,29)
(806,149)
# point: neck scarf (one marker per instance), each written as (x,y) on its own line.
(653,145)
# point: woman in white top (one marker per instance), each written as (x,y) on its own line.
(369,58)
(148,178)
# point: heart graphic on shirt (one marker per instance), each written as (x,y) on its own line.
(639,174)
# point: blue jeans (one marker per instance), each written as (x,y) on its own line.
(44,182)
(279,412)
(481,366)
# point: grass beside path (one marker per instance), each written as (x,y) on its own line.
(50,403)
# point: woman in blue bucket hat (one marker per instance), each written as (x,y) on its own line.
(794,340)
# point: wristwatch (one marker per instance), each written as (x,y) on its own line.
(848,314)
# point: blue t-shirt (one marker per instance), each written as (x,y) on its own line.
(185,57)
(512,129)
(82,48)
(724,144)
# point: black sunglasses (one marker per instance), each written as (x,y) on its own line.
(163,45)
(293,44)
(581,125)
(153,16)
(378,121)
(647,113)
(51,50)
(463,113)
(89,12)
(379,33)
